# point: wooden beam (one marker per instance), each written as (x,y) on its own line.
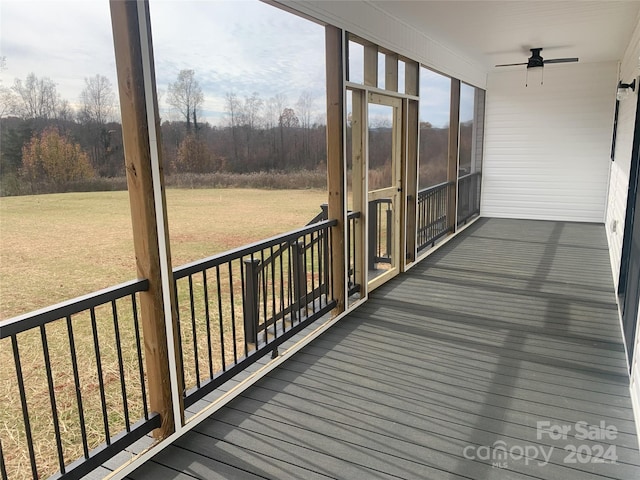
(143,192)
(411,183)
(391,72)
(371,65)
(411,78)
(452,165)
(335,160)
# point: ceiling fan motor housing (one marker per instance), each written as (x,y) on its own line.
(535,60)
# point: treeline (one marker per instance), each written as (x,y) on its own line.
(48,145)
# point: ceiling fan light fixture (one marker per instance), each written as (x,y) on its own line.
(625,89)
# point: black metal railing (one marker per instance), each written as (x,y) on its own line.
(235,307)
(353,285)
(380,229)
(468,196)
(432,210)
(81,385)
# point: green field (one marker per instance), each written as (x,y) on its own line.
(56,247)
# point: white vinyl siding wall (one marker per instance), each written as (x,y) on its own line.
(619,182)
(618,189)
(547,147)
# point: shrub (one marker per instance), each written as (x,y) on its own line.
(52,158)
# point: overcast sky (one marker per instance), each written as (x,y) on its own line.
(233,46)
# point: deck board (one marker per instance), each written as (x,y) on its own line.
(511,323)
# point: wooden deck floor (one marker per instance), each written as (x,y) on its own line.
(510,324)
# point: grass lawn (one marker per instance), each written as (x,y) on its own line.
(57,247)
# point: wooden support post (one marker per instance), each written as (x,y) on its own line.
(148,205)
(411,78)
(371,65)
(391,72)
(250,310)
(358,185)
(336,165)
(452,167)
(299,275)
(411,171)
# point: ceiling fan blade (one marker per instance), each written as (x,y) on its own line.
(561,60)
(511,64)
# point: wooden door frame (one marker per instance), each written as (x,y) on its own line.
(395,190)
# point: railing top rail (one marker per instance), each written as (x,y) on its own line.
(435,187)
(45,315)
(351,215)
(221,258)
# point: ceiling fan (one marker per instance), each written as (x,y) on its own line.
(535,60)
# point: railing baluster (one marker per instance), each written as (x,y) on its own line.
(103,400)
(25,409)
(389,230)
(136,326)
(329,233)
(207,320)
(313,274)
(3,468)
(291,253)
(194,331)
(299,276)
(123,385)
(52,397)
(179,334)
(221,322)
(326,257)
(373,234)
(320,265)
(76,378)
(243,282)
(273,294)
(233,311)
(263,280)
(282,299)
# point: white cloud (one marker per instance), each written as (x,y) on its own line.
(233,46)
(64,40)
(240,46)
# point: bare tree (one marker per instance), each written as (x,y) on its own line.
(251,118)
(288,121)
(274,107)
(305,109)
(98,100)
(98,104)
(185,95)
(37,97)
(8,99)
(65,111)
(233,107)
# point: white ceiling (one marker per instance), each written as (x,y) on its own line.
(495,32)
